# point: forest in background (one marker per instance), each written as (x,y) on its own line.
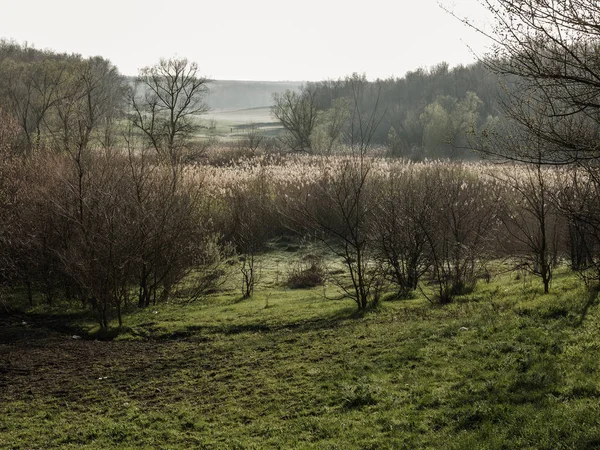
(428,113)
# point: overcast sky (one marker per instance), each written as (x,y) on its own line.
(254,40)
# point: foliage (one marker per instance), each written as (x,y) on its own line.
(402,223)
(119,228)
(63,101)
(426,113)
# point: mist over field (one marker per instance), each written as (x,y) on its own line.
(229,94)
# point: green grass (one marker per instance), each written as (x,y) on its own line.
(504,367)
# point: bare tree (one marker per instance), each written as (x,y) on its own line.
(342,205)
(577,196)
(164,103)
(527,206)
(85,115)
(549,53)
(172,234)
(251,220)
(530,219)
(251,141)
(462,223)
(405,213)
(30,91)
(11,185)
(340,208)
(365,116)
(297,112)
(92,233)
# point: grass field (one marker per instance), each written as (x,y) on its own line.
(504,367)
(232,124)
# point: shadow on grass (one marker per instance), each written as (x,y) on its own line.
(19,326)
(533,382)
(591,300)
(322,323)
(16,326)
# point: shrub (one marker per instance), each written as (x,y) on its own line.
(306,274)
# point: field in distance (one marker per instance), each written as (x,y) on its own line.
(236,123)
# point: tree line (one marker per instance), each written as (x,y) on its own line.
(428,113)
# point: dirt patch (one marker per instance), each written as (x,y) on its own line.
(38,362)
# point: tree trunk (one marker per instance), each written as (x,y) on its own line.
(29,292)
(143,297)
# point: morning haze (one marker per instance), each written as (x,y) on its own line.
(259,40)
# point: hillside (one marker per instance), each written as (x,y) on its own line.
(231,94)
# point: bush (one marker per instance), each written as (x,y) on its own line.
(306,274)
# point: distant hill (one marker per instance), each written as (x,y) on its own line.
(235,95)
(231,94)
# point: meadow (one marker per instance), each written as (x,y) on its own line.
(234,124)
(505,366)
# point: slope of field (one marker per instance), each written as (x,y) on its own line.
(232,124)
(238,105)
(236,94)
(257,115)
(505,367)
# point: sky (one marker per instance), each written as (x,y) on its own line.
(269,40)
